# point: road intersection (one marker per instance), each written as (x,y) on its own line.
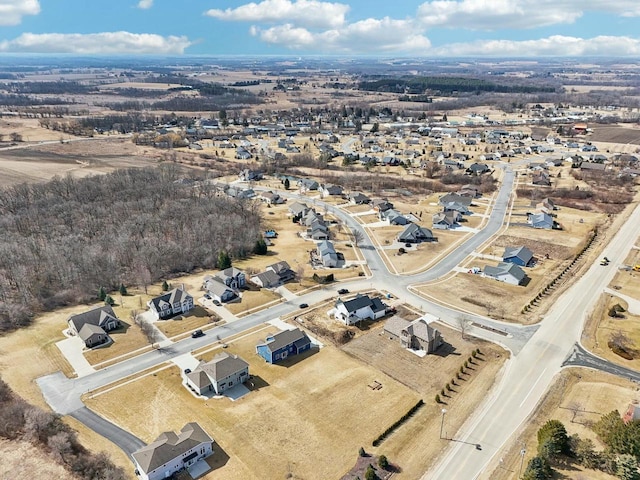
(538,351)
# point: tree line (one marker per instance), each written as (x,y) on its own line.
(447,85)
(62,240)
(21,421)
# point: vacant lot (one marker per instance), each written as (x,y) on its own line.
(589,394)
(615,134)
(303,418)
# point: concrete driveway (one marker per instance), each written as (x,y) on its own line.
(72,348)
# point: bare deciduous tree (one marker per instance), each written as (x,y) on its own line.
(463,325)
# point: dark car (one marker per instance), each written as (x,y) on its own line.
(187,371)
(217,303)
(197,333)
(342,291)
(207,296)
(304,305)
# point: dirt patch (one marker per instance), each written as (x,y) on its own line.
(615,134)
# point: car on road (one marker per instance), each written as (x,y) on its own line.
(304,305)
(197,333)
(342,291)
(187,371)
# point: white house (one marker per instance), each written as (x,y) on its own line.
(506,272)
(171,452)
(327,253)
(360,308)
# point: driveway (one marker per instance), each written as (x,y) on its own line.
(123,439)
(72,348)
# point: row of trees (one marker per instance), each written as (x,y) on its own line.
(22,421)
(620,457)
(62,240)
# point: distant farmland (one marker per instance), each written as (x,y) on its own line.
(614,134)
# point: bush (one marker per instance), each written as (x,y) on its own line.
(438,400)
(399,422)
(383,462)
(370,474)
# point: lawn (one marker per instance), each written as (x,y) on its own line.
(199,317)
(252,299)
(126,339)
(590,394)
(303,418)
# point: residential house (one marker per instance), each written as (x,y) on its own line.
(541,220)
(381,204)
(632,414)
(541,179)
(394,217)
(218,290)
(506,272)
(446,220)
(171,303)
(327,254)
(416,234)
(456,207)
(318,231)
(595,167)
(232,277)
(417,334)
(330,189)
(92,326)
(223,372)
(298,210)
(455,198)
(271,198)
(283,345)
(360,308)
(308,184)
(478,169)
(471,191)
(243,154)
(171,452)
(546,205)
(521,256)
(283,270)
(249,175)
(359,199)
(266,279)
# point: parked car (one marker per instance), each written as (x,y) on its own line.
(343,291)
(304,305)
(197,333)
(187,371)
(217,303)
(207,296)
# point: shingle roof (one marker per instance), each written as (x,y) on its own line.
(95,316)
(177,295)
(505,268)
(454,197)
(168,446)
(216,286)
(89,329)
(523,253)
(286,337)
(268,277)
(222,366)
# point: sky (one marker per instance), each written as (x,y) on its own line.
(415,28)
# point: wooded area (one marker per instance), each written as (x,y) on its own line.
(62,240)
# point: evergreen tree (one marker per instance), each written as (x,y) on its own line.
(260,248)
(370,474)
(627,468)
(165,286)
(287,184)
(383,462)
(102,294)
(123,289)
(553,439)
(537,469)
(109,301)
(224,260)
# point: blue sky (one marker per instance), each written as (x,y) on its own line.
(431,28)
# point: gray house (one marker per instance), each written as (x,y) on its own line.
(223,372)
(521,256)
(171,452)
(327,253)
(266,279)
(416,234)
(171,303)
(416,335)
(446,220)
(232,277)
(506,272)
(218,290)
(92,326)
(541,220)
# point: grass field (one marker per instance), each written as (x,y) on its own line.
(199,317)
(20,459)
(305,417)
(592,394)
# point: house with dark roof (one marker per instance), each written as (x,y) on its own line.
(478,169)
(381,204)
(308,184)
(283,270)
(359,199)
(223,372)
(171,303)
(233,277)
(249,175)
(284,344)
(217,289)
(416,234)
(471,191)
(416,335)
(266,279)
(330,189)
(327,254)
(521,256)
(541,178)
(455,198)
(546,205)
(298,210)
(506,272)
(360,308)
(170,452)
(92,326)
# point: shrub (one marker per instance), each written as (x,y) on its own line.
(383,462)
(399,422)
(438,399)
(370,474)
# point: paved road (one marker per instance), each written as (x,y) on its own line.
(580,357)
(530,373)
(123,439)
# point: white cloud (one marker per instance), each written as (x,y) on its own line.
(366,36)
(113,43)
(305,13)
(145,4)
(516,14)
(12,11)
(557,45)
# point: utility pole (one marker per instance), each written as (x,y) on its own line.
(522,452)
(444,411)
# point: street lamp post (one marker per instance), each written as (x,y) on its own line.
(522,452)
(444,410)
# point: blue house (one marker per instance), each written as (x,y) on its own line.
(283,344)
(519,255)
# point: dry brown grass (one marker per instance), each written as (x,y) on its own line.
(197,318)
(126,339)
(20,459)
(252,300)
(294,402)
(595,393)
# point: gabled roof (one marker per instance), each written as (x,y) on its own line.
(177,295)
(285,338)
(222,366)
(361,301)
(541,217)
(168,446)
(504,268)
(415,232)
(421,329)
(325,247)
(279,267)
(297,208)
(454,197)
(88,329)
(523,253)
(216,286)
(268,277)
(95,316)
